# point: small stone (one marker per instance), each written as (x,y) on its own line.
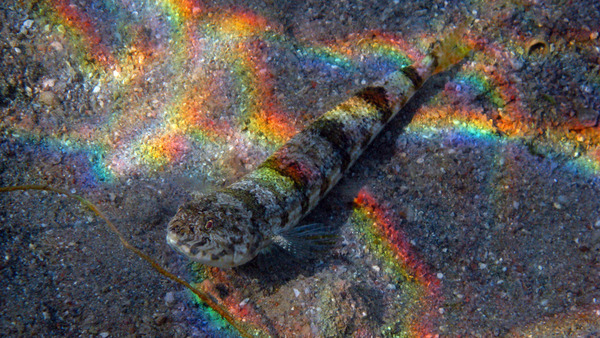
(440,275)
(57,46)
(104,334)
(48,83)
(593,35)
(28,23)
(170,298)
(296,292)
(48,98)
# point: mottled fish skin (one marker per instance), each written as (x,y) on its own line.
(229,227)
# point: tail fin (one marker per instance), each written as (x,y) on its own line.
(450,50)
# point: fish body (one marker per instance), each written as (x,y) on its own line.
(230,226)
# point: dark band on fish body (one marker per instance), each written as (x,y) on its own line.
(249,200)
(377,96)
(319,153)
(413,76)
(292,169)
(287,167)
(281,199)
(332,132)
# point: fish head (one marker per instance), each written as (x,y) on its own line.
(214,230)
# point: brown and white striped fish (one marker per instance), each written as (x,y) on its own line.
(230,226)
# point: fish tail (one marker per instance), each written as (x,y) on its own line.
(450,50)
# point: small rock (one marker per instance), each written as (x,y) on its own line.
(170,298)
(28,23)
(57,46)
(49,98)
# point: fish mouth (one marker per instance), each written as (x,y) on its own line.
(173,240)
(177,243)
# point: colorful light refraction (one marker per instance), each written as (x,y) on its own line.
(375,226)
(201,87)
(137,130)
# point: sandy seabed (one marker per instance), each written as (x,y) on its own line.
(474,213)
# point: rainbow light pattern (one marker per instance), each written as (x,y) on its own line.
(237,37)
(375,226)
(143,130)
(247,316)
(135,134)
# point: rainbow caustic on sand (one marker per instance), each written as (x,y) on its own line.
(376,227)
(220,86)
(148,130)
(131,135)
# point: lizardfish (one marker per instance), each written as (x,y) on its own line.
(230,226)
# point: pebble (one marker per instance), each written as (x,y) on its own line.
(28,23)
(48,98)
(57,46)
(170,298)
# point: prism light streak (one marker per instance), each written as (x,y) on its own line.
(243,30)
(136,141)
(80,23)
(375,225)
(235,38)
(243,310)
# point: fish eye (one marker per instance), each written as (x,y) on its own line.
(209,224)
